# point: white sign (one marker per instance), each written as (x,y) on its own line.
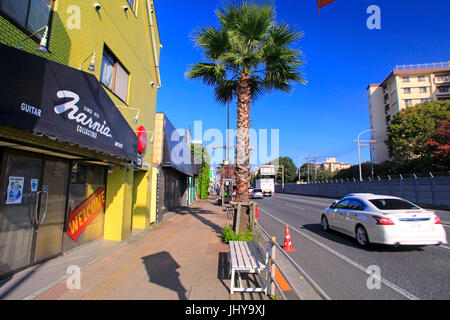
(34,185)
(15,190)
(267,170)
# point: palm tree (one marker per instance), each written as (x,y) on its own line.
(248,55)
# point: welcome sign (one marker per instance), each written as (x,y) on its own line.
(81,217)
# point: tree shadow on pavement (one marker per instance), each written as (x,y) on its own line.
(200,214)
(162,270)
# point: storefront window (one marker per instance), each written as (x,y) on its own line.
(86,179)
(31,15)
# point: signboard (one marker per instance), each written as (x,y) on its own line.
(61,102)
(267,170)
(81,217)
(15,190)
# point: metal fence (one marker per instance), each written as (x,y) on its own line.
(282,265)
(433,191)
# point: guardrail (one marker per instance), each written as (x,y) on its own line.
(422,66)
(301,284)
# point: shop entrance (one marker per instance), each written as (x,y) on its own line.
(32,209)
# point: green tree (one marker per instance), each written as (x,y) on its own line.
(290,170)
(202,158)
(248,55)
(411,129)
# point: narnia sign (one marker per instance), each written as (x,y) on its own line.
(81,217)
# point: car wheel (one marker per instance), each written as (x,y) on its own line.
(362,237)
(325,225)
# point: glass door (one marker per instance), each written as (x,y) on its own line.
(18,208)
(49,230)
(32,209)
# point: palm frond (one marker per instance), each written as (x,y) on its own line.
(210,73)
(225,91)
(211,41)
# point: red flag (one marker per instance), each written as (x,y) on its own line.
(323,3)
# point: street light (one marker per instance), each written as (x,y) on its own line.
(359,149)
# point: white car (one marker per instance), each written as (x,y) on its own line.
(257,194)
(383,219)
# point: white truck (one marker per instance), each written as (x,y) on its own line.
(267,186)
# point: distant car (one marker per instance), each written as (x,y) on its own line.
(257,194)
(267,193)
(250,191)
(383,219)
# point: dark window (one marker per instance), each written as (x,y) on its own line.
(31,15)
(344,204)
(114,76)
(356,205)
(393,204)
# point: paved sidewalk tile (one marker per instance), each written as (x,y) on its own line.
(182,259)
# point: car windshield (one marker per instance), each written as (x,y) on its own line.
(393,204)
(257,190)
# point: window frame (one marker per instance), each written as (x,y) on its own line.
(116,62)
(29,32)
(407,90)
(421,78)
(406,79)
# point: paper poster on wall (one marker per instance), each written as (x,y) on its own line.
(15,190)
(34,185)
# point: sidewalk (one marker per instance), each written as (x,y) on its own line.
(181,259)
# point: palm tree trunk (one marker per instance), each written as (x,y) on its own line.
(243,139)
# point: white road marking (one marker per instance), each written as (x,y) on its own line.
(445,247)
(348,260)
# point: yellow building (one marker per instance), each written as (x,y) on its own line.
(405,86)
(76,129)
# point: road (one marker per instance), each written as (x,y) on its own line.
(339,266)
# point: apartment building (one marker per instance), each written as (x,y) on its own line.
(332,165)
(405,86)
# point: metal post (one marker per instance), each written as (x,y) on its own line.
(272,267)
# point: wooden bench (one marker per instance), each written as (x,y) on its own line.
(245,258)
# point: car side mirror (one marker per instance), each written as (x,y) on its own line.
(334,204)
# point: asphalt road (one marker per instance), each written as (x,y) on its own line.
(340,267)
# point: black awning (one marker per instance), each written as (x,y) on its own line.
(61,102)
(176,152)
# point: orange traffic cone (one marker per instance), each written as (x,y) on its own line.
(256,213)
(287,241)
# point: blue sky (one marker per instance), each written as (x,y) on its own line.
(342,57)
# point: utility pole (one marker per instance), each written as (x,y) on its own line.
(362,143)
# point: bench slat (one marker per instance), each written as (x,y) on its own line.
(245,255)
(260,262)
(250,255)
(234,261)
(240,260)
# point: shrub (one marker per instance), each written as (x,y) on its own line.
(228,235)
